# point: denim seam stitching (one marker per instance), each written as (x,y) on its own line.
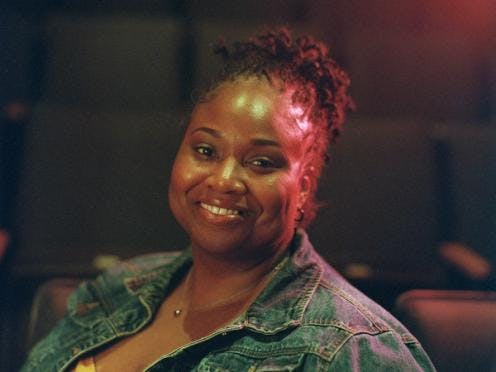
(338,349)
(369,316)
(342,326)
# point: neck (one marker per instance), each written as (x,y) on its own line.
(213,278)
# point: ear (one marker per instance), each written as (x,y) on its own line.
(305,188)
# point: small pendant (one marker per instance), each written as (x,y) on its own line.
(177,312)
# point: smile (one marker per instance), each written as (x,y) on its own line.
(220,211)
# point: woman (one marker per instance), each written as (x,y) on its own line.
(250,293)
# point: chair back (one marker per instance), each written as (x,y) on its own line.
(457,328)
(49,306)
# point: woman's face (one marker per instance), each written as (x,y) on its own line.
(237,179)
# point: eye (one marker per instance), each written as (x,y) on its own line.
(205,151)
(263,163)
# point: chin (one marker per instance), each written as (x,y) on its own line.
(228,243)
(239,245)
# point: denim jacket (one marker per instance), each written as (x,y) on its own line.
(308,318)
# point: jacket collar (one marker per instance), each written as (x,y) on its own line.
(280,305)
(283,302)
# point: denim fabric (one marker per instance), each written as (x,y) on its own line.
(308,318)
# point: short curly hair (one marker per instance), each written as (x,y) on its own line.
(321,88)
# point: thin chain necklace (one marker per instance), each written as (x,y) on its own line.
(228,300)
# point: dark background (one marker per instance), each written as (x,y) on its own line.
(94,93)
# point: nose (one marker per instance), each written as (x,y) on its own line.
(227,178)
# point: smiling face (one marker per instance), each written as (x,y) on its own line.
(237,180)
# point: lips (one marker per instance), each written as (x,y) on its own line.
(219,210)
(221,216)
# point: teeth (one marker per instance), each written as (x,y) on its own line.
(219,211)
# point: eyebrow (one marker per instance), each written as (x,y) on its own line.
(210,131)
(254,141)
(264,142)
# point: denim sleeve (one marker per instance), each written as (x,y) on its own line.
(384,352)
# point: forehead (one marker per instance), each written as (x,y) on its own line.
(251,105)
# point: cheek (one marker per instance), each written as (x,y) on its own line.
(174,187)
(182,178)
(280,197)
(176,179)
(184,171)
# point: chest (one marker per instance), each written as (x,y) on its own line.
(135,352)
(166,334)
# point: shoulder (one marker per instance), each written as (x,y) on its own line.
(334,301)
(96,305)
(128,275)
(339,327)
(362,334)
(337,300)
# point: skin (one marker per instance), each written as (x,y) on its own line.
(242,151)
